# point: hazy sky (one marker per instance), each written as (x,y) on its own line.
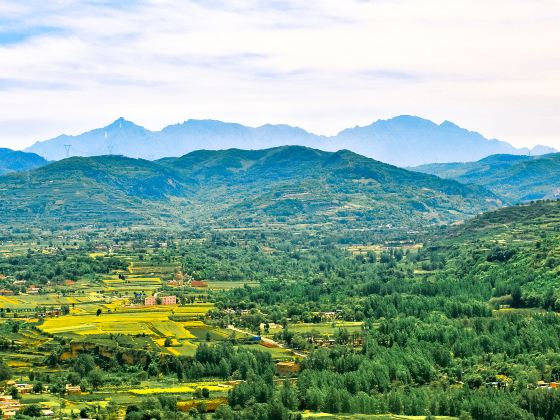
(489,65)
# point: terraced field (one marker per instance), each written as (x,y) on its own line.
(131,321)
(22,302)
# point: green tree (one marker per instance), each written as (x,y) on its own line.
(5,371)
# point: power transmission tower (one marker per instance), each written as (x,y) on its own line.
(110,148)
(67,147)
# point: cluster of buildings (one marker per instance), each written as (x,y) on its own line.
(142,299)
(10,406)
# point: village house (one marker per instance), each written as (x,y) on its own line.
(33,290)
(52,312)
(24,388)
(6,292)
(73,389)
(150,301)
(169,300)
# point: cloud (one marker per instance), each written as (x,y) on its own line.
(321,64)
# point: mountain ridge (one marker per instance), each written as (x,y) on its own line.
(402,141)
(286,185)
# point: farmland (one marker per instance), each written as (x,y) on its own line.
(105,312)
(229,323)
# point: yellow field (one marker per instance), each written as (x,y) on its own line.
(185,349)
(184,389)
(193,324)
(130,323)
(197,308)
(97,254)
(171,329)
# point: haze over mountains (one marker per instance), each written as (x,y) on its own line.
(16,161)
(402,141)
(289,184)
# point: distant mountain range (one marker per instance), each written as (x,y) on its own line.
(16,161)
(514,178)
(284,185)
(402,141)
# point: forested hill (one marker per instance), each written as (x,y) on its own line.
(515,178)
(15,161)
(462,326)
(511,255)
(289,184)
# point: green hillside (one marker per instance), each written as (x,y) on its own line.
(511,256)
(514,178)
(294,185)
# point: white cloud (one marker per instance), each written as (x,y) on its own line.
(321,64)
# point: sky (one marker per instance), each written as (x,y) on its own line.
(324,65)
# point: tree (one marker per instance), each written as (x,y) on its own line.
(224,412)
(95,378)
(37,387)
(98,312)
(83,364)
(5,371)
(288,396)
(32,410)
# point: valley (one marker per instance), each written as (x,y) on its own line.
(283,283)
(279,210)
(460,322)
